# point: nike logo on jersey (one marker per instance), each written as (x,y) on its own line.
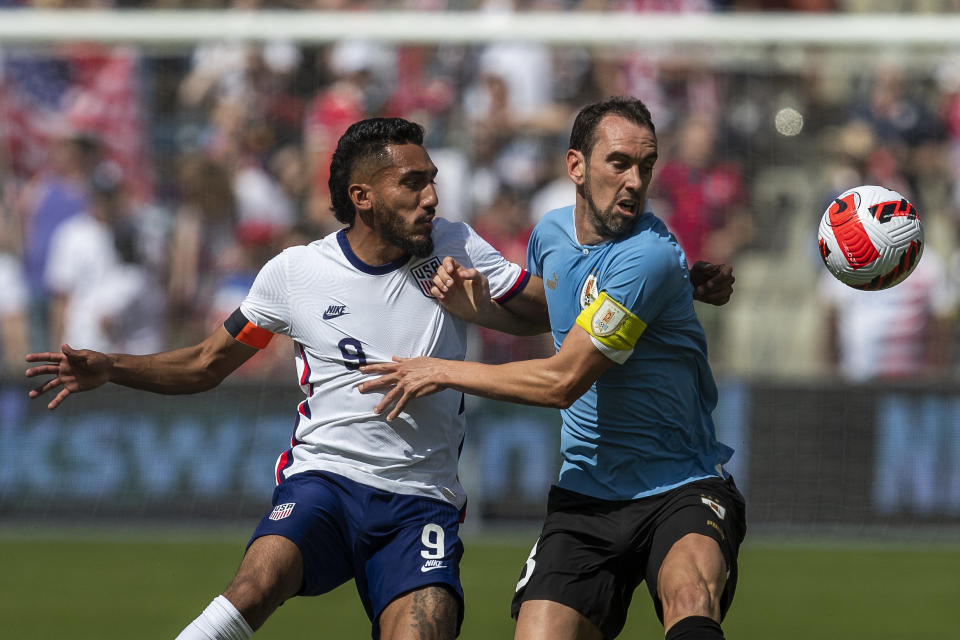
(430,565)
(335,311)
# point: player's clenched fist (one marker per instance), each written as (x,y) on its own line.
(73,370)
(712,283)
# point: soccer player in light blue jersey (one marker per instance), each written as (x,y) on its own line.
(642,494)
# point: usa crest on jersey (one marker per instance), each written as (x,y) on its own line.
(281,511)
(423,273)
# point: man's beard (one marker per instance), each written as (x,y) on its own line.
(391,227)
(607,223)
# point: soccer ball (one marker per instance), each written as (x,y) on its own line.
(870,238)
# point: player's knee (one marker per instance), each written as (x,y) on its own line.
(254,598)
(690,598)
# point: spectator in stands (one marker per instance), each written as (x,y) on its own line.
(894,109)
(131,299)
(361,77)
(256,243)
(260,197)
(288,166)
(425,90)
(13,303)
(704,195)
(48,201)
(81,273)
(910,137)
(948,76)
(900,333)
(511,111)
(202,237)
(506,225)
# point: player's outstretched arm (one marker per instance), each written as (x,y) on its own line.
(548,382)
(188,370)
(712,283)
(465,292)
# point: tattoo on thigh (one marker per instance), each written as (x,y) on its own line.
(433,614)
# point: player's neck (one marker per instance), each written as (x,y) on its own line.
(586,230)
(370,247)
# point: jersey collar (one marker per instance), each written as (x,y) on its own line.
(378,270)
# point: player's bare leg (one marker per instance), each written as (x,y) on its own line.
(548,620)
(691,581)
(429,613)
(271,573)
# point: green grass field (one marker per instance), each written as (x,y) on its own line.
(79,588)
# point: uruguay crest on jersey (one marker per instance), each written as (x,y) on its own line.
(589,291)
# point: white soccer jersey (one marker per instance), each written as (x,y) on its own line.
(343,313)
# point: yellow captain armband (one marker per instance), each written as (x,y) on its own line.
(611,323)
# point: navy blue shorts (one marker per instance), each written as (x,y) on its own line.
(389,543)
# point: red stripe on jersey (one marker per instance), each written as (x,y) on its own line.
(520,283)
(305,375)
(254,336)
(282,463)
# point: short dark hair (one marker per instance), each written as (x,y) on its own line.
(363,140)
(583,136)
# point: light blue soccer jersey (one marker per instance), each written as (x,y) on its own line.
(644,426)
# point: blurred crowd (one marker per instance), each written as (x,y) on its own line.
(141,192)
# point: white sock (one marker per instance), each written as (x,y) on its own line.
(219,621)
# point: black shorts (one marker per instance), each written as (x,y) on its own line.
(593,553)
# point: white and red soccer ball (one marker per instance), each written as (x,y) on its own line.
(870,238)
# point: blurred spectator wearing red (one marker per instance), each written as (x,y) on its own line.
(362,74)
(704,196)
(506,225)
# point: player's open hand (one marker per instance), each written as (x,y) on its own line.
(712,283)
(73,370)
(407,378)
(462,291)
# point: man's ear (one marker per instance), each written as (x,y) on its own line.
(360,196)
(576,166)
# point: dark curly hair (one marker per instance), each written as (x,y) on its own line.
(363,140)
(582,136)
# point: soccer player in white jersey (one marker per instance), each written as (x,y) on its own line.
(358,496)
(642,493)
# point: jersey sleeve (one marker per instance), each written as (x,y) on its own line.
(635,291)
(266,309)
(506,278)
